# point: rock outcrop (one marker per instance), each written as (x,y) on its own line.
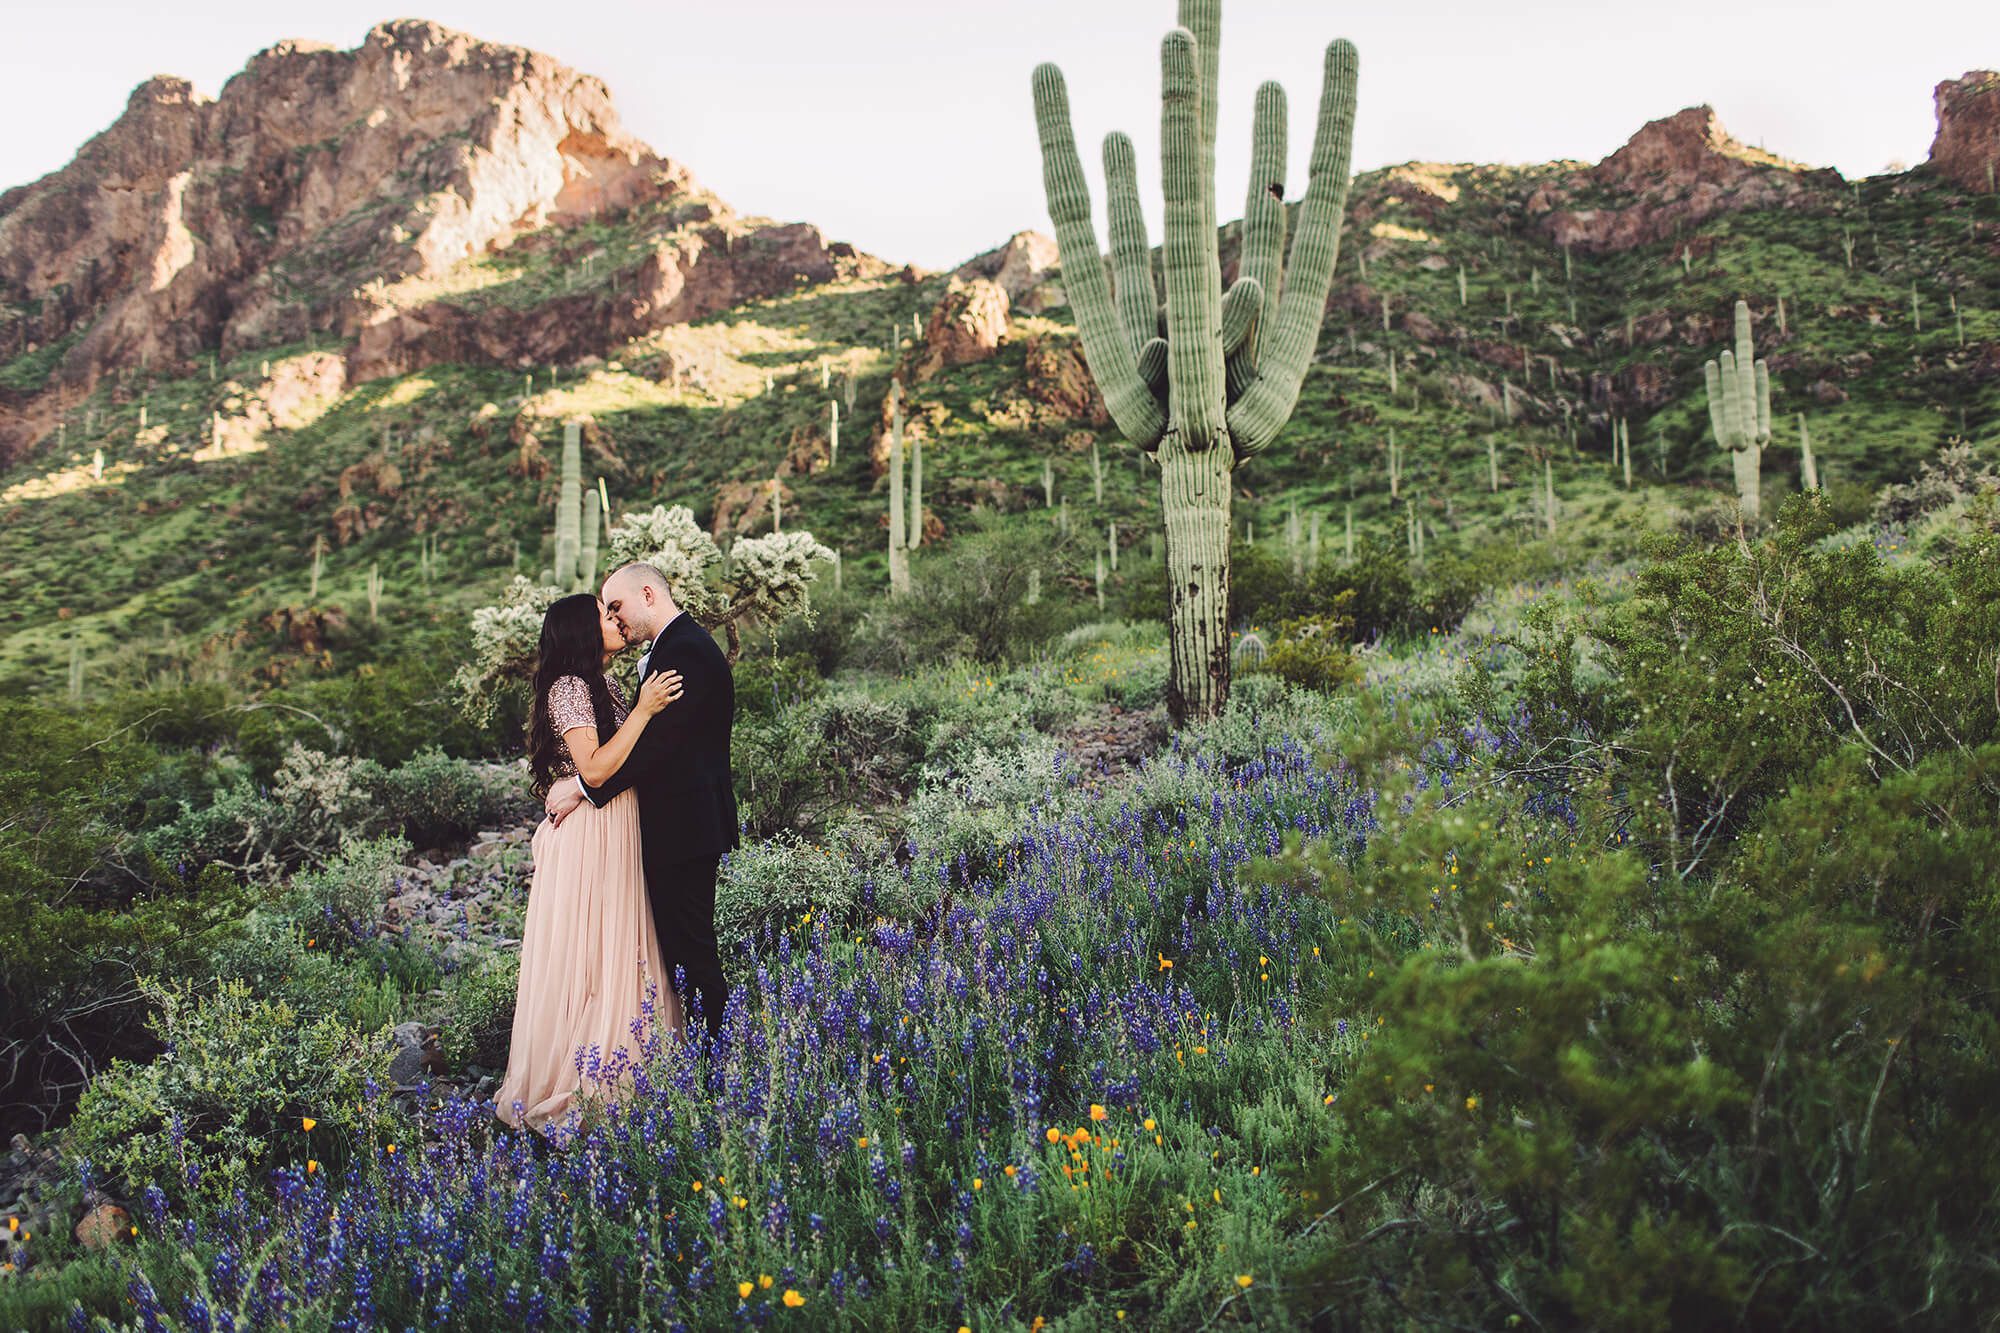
(1025,268)
(1678,172)
(341,192)
(1966,150)
(966,326)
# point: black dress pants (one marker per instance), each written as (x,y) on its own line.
(682,894)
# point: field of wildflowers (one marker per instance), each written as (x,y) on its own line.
(1572,965)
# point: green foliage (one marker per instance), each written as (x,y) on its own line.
(775,884)
(479,1011)
(1686,1022)
(1311,652)
(224,1102)
(342,900)
(973,603)
(443,801)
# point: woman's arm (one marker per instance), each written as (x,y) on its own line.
(596,763)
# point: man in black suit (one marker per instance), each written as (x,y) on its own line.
(680,771)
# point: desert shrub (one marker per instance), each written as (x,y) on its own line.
(1312,651)
(1760,1087)
(1728,1011)
(339,903)
(768,684)
(479,1011)
(443,801)
(226,1099)
(826,636)
(1952,475)
(1732,676)
(973,602)
(313,802)
(280,960)
(969,801)
(772,885)
(78,915)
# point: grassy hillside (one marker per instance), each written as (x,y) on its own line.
(200,559)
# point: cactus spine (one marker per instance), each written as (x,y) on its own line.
(1232,365)
(899,553)
(1739,411)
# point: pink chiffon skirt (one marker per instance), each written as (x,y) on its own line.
(592,993)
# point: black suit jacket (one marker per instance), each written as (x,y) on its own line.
(680,765)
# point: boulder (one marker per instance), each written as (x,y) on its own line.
(102,1226)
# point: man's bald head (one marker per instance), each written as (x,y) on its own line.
(639,601)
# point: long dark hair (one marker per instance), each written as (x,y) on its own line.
(572,645)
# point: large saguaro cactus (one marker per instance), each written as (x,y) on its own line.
(1739,411)
(569,508)
(1215,384)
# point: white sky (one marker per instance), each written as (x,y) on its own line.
(905,126)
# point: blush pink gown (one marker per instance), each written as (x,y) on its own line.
(591,992)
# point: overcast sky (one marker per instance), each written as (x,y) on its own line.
(905,126)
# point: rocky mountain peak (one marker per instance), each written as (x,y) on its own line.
(329,191)
(1966,150)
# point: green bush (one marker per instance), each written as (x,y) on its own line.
(443,801)
(479,1011)
(225,1101)
(340,902)
(1311,652)
(972,603)
(1688,1021)
(771,885)
(279,959)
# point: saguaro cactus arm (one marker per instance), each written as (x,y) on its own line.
(1195,396)
(1112,355)
(1256,417)
(1131,257)
(1263,220)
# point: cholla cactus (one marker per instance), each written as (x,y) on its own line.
(771,576)
(1221,383)
(768,581)
(672,542)
(1739,411)
(503,646)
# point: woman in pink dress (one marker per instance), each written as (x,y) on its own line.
(591,991)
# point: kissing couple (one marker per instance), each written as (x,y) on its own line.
(640,811)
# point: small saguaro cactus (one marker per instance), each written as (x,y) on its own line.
(914,521)
(1739,411)
(1808,468)
(1222,382)
(1461,286)
(832,431)
(374,593)
(899,553)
